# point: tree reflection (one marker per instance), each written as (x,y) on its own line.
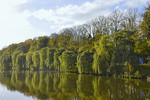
(69,86)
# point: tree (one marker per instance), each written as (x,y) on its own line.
(68,61)
(5,62)
(36,59)
(14,56)
(103,55)
(84,62)
(123,52)
(145,25)
(42,42)
(29,60)
(53,40)
(43,57)
(130,21)
(143,42)
(50,58)
(115,20)
(21,61)
(56,58)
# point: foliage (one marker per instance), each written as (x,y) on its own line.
(21,61)
(84,62)
(68,61)
(56,58)
(14,56)
(36,59)
(5,62)
(103,56)
(143,42)
(128,68)
(50,58)
(42,42)
(43,57)
(29,60)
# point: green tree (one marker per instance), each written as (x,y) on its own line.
(43,57)
(103,55)
(68,61)
(42,42)
(124,51)
(84,62)
(14,56)
(50,58)
(21,61)
(143,41)
(36,59)
(56,58)
(53,40)
(29,59)
(5,62)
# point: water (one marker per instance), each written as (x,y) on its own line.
(69,86)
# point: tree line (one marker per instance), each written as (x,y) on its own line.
(105,45)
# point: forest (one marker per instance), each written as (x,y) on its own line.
(117,45)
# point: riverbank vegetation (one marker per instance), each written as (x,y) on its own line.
(118,44)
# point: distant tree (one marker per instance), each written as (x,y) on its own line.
(33,46)
(10,49)
(130,21)
(42,42)
(53,40)
(115,20)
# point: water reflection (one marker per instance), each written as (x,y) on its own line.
(67,86)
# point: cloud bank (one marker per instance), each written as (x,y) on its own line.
(71,15)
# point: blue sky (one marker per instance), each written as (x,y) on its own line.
(24,19)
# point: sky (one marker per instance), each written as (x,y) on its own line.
(25,19)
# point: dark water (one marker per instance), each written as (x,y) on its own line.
(67,86)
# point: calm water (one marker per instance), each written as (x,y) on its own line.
(66,86)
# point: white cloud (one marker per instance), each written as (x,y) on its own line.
(75,14)
(14,26)
(135,3)
(78,14)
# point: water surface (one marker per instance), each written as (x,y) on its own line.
(70,86)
